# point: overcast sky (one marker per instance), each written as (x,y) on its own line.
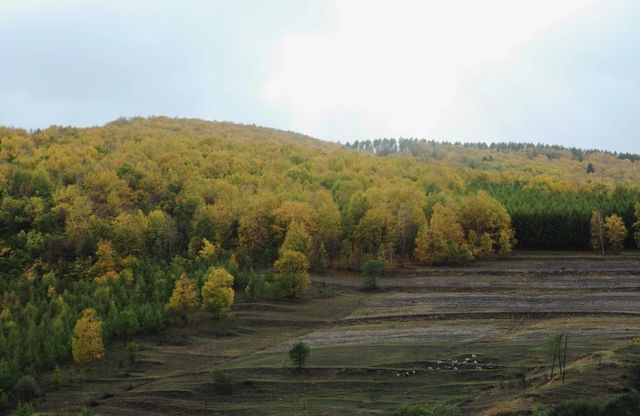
(553,71)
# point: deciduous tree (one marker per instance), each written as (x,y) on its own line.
(442,239)
(297,239)
(615,232)
(184,297)
(299,354)
(217,292)
(292,267)
(86,344)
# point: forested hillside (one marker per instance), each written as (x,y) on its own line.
(549,191)
(125,225)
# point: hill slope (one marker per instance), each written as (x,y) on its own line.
(110,217)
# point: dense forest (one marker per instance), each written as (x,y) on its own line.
(549,191)
(110,231)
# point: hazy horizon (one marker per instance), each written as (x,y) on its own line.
(541,72)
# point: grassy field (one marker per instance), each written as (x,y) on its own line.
(374,351)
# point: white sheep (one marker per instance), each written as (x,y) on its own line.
(474,356)
(475,362)
(430,369)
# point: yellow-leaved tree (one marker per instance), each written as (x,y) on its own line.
(487,225)
(615,232)
(208,250)
(217,292)
(107,263)
(441,240)
(86,344)
(297,238)
(184,297)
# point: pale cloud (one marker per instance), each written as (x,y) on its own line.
(564,72)
(404,64)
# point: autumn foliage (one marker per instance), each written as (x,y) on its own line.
(86,344)
(129,218)
(607,233)
(217,292)
(184,297)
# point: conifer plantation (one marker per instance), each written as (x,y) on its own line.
(114,232)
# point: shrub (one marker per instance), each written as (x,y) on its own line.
(579,407)
(541,410)
(56,377)
(4,401)
(132,351)
(221,382)
(428,410)
(520,377)
(634,376)
(625,405)
(24,409)
(372,270)
(25,388)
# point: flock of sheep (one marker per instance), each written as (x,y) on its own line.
(452,365)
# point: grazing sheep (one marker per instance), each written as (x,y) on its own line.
(414,371)
(430,369)
(406,374)
(474,356)
(397,374)
(466,360)
(475,362)
(439,362)
(455,368)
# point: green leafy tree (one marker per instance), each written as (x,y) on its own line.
(126,325)
(297,239)
(299,354)
(217,292)
(292,268)
(597,231)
